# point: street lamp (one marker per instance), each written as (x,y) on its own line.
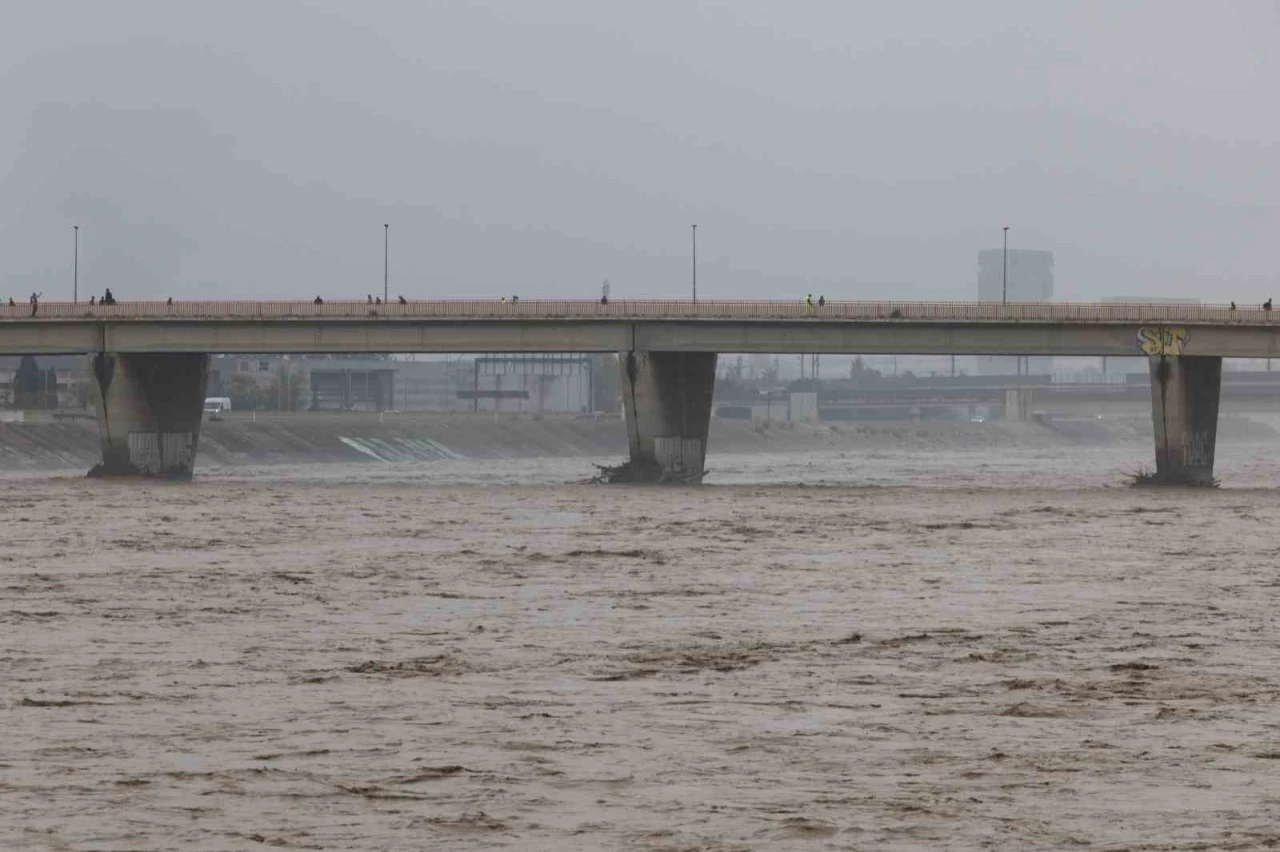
(386,242)
(75,269)
(1004,278)
(695,264)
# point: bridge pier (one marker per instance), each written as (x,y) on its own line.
(1017,404)
(150,408)
(1184,409)
(667,405)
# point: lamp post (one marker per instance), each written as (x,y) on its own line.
(75,269)
(695,264)
(1004,276)
(386,242)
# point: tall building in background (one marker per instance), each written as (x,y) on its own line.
(1030,279)
(1030,275)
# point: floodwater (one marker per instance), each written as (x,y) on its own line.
(885,651)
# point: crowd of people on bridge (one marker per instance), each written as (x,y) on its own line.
(808,303)
(1266,306)
(34,301)
(109,299)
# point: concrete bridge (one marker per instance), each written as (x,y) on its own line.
(150,358)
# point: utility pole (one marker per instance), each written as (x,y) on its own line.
(695,264)
(75,269)
(1004,279)
(386,242)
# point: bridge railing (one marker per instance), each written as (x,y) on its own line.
(553,309)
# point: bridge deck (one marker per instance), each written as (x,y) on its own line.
(539,325)
(633,310)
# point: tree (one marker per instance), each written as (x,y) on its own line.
(28,381)
(607,379)
(292,380)
(246,394)
(50,389)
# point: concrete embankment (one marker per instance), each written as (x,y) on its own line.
(42,442)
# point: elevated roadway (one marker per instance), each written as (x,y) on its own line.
(903,328)
(150,359)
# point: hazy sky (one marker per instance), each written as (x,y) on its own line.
(855,149)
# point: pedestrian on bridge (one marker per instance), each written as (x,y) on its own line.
(12,303)
(822,301)
(1266,306)
(402,300)
(808,304)
(318,301)
(92,301)
(35,303)
(107,298)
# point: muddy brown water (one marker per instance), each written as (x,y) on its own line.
(884,651)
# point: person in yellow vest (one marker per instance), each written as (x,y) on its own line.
(808,304)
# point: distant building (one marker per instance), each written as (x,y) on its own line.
(1029,279)
(530,382)
(351,384)
(1149,300)
(1030,275)
(535,382)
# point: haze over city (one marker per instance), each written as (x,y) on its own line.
(859,150)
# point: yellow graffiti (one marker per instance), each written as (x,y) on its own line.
(1161,340)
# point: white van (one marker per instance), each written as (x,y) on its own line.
(217,403)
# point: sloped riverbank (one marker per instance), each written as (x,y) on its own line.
(47,443)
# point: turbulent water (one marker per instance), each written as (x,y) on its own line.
(881,651)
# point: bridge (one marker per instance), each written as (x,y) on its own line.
(869,328)
(151,358)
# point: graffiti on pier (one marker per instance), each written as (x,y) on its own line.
(159,452)
(1161,340)
(1197,448)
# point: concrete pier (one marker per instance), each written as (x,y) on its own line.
(150,408)
(1017,404)
(1184,409)
(667,405)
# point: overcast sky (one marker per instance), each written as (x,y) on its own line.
(855,149)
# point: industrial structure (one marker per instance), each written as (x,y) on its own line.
(542,382)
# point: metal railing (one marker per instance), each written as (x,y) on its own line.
(548,309)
